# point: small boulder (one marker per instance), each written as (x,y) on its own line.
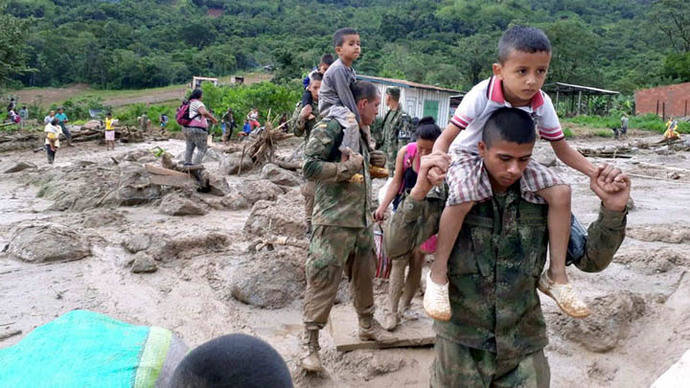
(268,279)
(176,205)
(42,242)
(137,242)
(135,187)
(143,263)
(230,164)
(21,166)
(284,217)
(262,189)
(279,175)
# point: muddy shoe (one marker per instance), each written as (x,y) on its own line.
(436,300)
(311,362)
(390,322)
(371,330)
(566,298)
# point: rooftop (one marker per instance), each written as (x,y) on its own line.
(404,84)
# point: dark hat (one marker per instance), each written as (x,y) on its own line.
(393,92)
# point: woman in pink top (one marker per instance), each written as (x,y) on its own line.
(404,179)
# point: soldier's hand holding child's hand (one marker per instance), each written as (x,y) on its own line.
(612,200)
(432,171)
(610,178)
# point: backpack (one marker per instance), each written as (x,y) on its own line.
(182,115)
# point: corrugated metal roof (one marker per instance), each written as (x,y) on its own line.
(569,88)
(404,84)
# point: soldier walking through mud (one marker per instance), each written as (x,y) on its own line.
(497,333)
(342,239)
(303,119)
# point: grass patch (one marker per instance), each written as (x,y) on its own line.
(648,122)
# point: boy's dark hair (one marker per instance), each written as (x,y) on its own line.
(427,129)
(196,94)
(54,121)
(339,36)
(525,39)
(235,360)
(509,124)
(315,76)
(364,89)
(327,59)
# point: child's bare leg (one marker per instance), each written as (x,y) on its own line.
(554,282)
(558,198)
(449,228)
(436,299)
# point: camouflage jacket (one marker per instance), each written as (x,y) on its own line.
(337,202)
(494,267)
(397,132)
(303,126)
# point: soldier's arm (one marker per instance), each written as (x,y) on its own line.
(606,234)
(604,237)
(320,146)
(298,123)
(413,223)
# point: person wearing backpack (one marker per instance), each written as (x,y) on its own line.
(195,127)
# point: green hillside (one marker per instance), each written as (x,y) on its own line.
(123,44)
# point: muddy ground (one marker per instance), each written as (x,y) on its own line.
(209,278)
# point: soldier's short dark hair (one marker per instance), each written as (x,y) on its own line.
(509,124)
(364,89)
(394,92)
(327,59)
(521,38)
(339,36)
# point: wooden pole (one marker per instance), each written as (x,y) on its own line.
(686,103)
(663,111)
(657,107)
(579,101)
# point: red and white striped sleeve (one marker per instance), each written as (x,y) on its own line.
(549,126)
(472,105)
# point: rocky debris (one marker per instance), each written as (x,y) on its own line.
(674,234)
(21,166)
(545,156)
(78,188)
(601,372)
(135,187)
(283,217)
(141,156)
(651,261)
(143,263)
(261,189)
(137,242)
(103,217)
(234,163)
(169,248)
(91,124)
(177,205)
(219,185)
(366,364)
(235,201)
(41,242)
(279,175)
(267,279)
(609,324)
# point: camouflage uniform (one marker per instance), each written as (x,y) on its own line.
(497,331)
(397,132)
(303,127)
(342,237)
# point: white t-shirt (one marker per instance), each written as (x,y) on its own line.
(50,128)
(197,121)
(485,98)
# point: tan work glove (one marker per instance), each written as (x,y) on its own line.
(377,158)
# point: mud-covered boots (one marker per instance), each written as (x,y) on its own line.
(311,362)
(370,330)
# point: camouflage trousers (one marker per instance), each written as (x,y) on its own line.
(308,193)
(457,365)
(332,250)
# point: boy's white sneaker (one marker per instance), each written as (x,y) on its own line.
(566,298)
(436,299)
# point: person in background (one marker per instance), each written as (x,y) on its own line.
(109,132)
(196,133)
(62,122)
(52,140)
(24,115)
(49,118)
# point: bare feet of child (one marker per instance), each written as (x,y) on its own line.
(555,284)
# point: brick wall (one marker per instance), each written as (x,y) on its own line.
(676,98)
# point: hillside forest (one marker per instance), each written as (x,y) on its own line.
(125,44)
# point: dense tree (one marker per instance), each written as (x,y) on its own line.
(619,44)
